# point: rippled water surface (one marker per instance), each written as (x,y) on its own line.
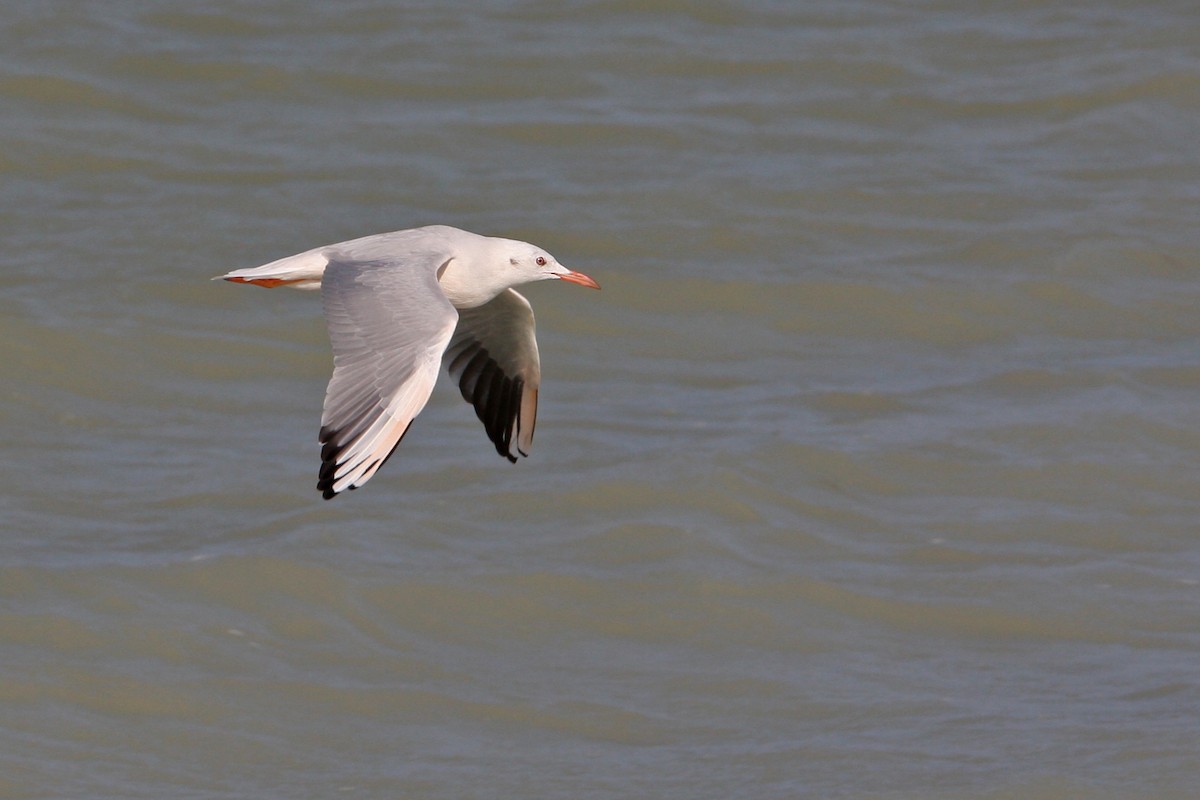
(873,471)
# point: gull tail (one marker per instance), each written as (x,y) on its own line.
(301,271)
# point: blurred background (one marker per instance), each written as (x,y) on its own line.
(871,473)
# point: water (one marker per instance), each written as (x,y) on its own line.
(871,473)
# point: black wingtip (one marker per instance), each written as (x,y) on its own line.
(325,481)
(325,474)
(329,460)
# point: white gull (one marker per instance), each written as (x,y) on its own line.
(399,304)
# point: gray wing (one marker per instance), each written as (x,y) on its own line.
(389,324)
(494,359)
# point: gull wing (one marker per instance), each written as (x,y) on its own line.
(493,357)
(389,323)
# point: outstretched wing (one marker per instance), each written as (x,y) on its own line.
(389,323)
(493,357)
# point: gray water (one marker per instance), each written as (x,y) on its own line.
(872,472)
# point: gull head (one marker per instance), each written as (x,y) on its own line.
(530,263)
(483,266)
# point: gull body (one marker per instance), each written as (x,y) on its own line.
(400,304)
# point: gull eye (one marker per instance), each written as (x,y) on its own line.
(540,261)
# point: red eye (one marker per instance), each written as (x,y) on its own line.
(541,262)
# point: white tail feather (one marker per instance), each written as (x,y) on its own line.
(302,271)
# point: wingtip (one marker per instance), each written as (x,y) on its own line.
(325,486)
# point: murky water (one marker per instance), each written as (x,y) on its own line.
(873,472)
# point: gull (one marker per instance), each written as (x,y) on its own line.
(399,304)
